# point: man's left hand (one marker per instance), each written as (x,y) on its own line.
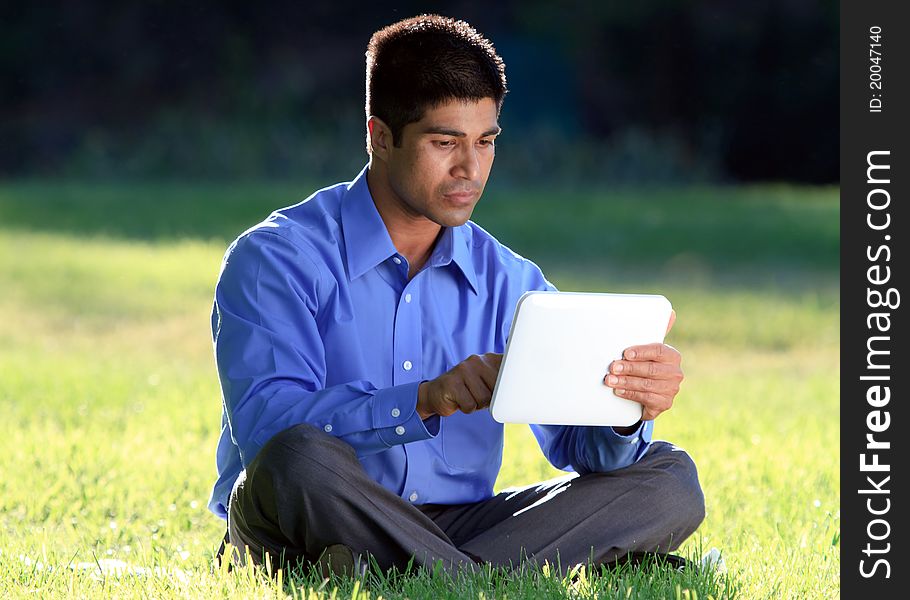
(649,374)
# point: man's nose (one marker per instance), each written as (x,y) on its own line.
(468,165)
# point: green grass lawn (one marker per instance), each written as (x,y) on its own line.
(111,407)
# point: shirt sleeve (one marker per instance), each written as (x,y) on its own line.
(271,358)
(586,449)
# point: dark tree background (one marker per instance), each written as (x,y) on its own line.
(645,91)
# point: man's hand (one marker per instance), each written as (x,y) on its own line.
(468,386)
(649,374)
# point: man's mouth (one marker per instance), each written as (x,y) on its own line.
(461,198)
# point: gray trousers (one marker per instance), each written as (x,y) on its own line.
(306,490)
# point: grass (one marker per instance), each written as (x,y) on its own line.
(111,405)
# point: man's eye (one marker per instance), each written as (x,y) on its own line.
(445,143)
(485,142)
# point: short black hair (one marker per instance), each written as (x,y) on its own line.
(425,61)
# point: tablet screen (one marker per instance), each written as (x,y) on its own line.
(559,350)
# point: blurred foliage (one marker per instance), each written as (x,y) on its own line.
(656,90)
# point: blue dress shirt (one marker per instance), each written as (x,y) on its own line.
(315,321)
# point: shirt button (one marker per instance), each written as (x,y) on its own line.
(413,497)
(395,412)
(327,429)
(633,440)
(407,365)
(407,297)
(396,260)
(399,430)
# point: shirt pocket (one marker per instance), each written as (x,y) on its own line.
(472,442)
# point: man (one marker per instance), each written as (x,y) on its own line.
(358,336)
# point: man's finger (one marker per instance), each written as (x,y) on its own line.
(672,320)
(488,376)
(464,398)
(653,404)
(658,352)
(488,369)
(494,359)
(446,398)
(649,368)
(666,387)
(479,390)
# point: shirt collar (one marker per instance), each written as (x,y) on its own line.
(367,242)
(366,239)
(452,247)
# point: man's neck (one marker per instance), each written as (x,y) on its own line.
(414,236)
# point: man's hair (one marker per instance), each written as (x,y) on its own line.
(425,61)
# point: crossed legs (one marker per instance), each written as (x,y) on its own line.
(306,491)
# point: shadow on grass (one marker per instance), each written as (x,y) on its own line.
(713,229)
(154,212)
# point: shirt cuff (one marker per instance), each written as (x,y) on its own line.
(395,416)
(603,450)
(643,433)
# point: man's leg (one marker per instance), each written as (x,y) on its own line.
(651,506)
(306,491)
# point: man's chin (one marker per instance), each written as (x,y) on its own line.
(456,218)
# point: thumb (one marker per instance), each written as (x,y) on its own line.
(495,359)
(672,320)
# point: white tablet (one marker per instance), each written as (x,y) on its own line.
(559,349)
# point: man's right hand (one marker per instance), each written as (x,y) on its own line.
(468,386)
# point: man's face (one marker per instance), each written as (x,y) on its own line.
(442,164)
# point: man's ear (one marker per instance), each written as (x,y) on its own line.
(379,137)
